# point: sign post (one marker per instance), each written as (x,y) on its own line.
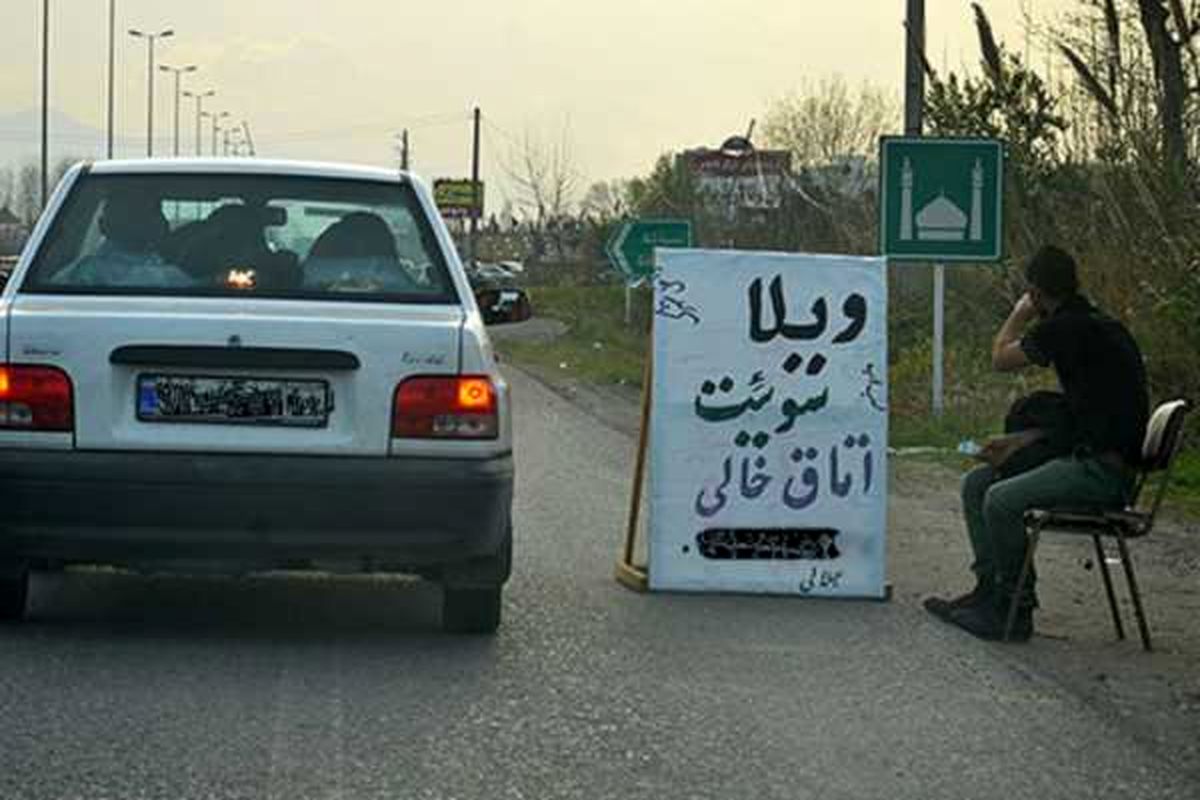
(631,250)
(941,200)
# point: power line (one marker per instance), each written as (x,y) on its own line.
(412,123)
(516,140)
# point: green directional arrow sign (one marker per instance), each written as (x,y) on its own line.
(631,249)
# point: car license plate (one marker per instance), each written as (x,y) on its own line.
(238,401)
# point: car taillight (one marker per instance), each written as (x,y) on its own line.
(446,407)
(35,399)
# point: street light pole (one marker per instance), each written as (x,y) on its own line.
(199,98)
(112,68)
(178,72)
(201,115)
(216,126)
(45,101)
(150,39)
(249,138)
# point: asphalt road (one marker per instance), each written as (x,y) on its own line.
(130,687)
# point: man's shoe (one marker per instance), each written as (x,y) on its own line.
(942,607)
(986,621)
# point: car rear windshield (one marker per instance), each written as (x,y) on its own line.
(242,235)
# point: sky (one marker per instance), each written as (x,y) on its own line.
(620,81)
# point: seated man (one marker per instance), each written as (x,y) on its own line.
(134,228)
(1100,369)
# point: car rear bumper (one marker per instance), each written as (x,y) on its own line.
(254,511)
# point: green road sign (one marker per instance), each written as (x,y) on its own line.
(941,199)
(631,249)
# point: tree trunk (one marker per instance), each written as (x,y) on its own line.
(1172,88)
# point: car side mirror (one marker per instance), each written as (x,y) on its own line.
(500,306)
(522,309)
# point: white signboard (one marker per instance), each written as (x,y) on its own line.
(769,429)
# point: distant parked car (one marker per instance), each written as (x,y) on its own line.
(250,366)
(488,271)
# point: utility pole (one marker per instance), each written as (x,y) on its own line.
(914,70)
(476,210)
(914,114)
(112,70)
(404,150)
(45,101)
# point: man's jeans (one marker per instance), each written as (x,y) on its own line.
(995,511)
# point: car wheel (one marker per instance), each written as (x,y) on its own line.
(14,589)
(473,610)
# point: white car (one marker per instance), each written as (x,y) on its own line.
(251,365)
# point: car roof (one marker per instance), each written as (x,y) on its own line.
(247,166)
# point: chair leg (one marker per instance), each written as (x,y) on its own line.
(1143,628)
(1030,546)
(1108,587)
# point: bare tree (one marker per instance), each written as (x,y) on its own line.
(546,182)
(1115,79)
(28,199)
(826,121)
(7,183)
(605,201)
(1166,48)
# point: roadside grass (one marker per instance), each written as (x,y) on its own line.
(600,348)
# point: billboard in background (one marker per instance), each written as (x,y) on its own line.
(457,199)
(751,179)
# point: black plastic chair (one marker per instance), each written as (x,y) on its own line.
(1164,434)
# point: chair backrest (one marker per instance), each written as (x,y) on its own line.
(1164,434)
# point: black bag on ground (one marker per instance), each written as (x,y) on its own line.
(1046,411)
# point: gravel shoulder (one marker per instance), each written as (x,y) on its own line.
(1152,697)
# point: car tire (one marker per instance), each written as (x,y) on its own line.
(472,594)
(471,610)
(14,591)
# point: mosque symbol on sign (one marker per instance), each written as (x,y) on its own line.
(941,220)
